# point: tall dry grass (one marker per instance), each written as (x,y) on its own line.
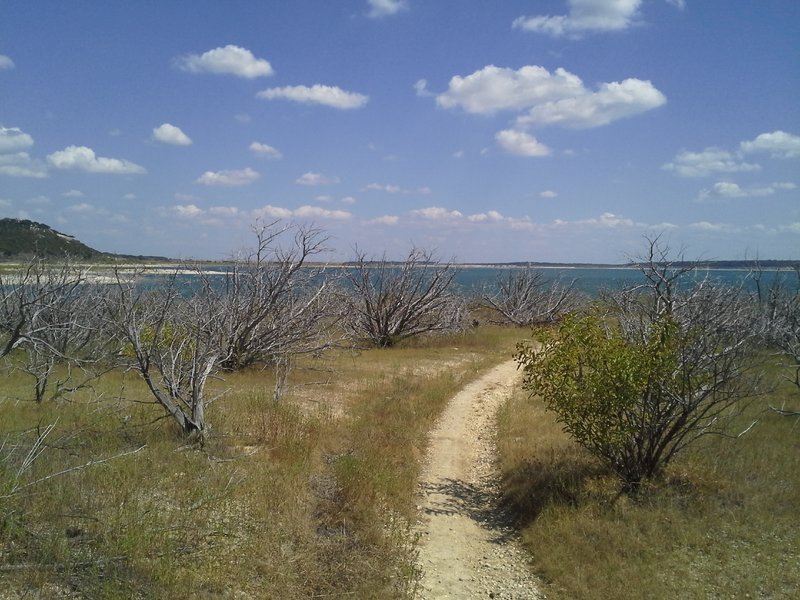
(311,496)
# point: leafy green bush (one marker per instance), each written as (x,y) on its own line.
(635,401)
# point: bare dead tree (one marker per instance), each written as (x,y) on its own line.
(650,370)
(55,332)
(30,293)
(64,357)
(526,297)
(274,303)
(388,302)
(268,307)
(782,311)
(170,337)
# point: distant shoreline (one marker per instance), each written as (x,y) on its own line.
(185,266)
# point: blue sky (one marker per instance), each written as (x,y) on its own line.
(560,130)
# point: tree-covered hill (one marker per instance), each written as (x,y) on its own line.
(21,238)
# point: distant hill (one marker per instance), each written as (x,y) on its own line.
(20,237)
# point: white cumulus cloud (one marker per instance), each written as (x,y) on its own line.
(271,212)
(612,101)
(14,162)
(557,98)
(265,151)
(20,164)
(6,62)
(708,226)
(385,8)
(316,211)
(326,95)
(384,220)
(167,133)
(229,178)
(13,139)
(303,212)
(391,189)
(421,88)
(778,144)
(81,158)
(230,59)
(489,216)
(312,178)
(608,220)
(790,228)
(548,194)
(492,88)
(711,160)
(521,143)
(728,189)
(584,16)
(437,213)
(396,189)
(189,211)
(224,211)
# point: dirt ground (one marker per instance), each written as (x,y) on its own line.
(467,549)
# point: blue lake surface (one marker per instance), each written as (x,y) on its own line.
(588,280)
(592,280)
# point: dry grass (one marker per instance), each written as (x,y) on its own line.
(723,524)
(313,496)
(308,497)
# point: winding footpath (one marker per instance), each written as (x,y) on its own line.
(467,550)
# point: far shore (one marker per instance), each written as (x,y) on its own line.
(219,267)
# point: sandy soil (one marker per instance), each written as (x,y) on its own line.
(467,550)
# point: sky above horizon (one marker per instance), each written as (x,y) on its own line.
(487,131)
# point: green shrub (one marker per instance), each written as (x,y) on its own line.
(636,401)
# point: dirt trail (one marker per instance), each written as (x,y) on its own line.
(466,548)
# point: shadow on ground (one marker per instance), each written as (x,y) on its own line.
(481,504)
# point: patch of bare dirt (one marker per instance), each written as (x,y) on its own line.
(467,547)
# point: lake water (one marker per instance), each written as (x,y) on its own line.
(591,281)
(588,280)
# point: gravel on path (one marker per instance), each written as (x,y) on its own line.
(467,549)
